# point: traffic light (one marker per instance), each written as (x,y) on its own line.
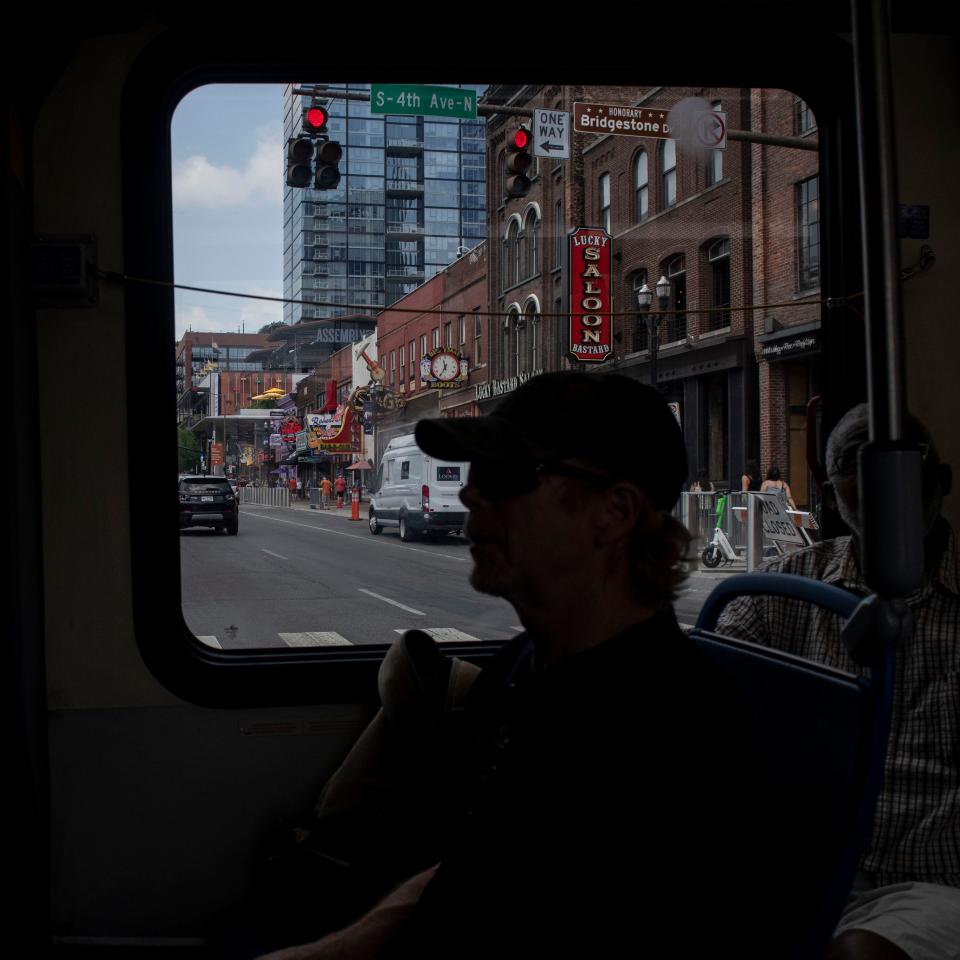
(315,120)
(327,176)
(519,159)
(299,152)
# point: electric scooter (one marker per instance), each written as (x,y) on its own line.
(719,549)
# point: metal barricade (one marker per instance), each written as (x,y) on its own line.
(265,496)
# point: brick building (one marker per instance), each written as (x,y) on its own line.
(786,276)
(450,310)
(685,214)
(676,210)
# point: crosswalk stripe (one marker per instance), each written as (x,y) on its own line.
(444,634)
(322,638)
(211,642)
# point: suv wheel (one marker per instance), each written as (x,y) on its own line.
(375,527)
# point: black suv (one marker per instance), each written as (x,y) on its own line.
(208,502)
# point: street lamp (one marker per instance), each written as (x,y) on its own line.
(644,299)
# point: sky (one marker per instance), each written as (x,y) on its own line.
(227,152)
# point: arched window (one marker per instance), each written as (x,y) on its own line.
(511,255)
(641,180)
(558,235)
(675,324)
(642,339)
(715,157)
(669,173)
(519,343)
(534,336)
(718,273)
(604,195)
(520,256)
(507,330)
(533,251)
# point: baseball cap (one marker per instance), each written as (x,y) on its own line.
(614,423)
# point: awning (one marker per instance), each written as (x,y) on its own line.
(360,465)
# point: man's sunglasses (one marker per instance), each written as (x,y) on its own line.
(498,481)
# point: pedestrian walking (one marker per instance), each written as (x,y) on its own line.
(326,489)
(340,485)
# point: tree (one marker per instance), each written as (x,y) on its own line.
(270,327)
(189,450)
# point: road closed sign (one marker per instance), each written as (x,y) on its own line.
(776,522)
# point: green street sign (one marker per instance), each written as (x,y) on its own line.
(416,100)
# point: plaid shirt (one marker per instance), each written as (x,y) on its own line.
(916,833)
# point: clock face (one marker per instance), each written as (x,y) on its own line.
(445,366)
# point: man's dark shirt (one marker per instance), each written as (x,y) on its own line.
(612,798)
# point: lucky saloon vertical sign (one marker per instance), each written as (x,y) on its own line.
(591,326)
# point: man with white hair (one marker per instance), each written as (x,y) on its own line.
(906,900)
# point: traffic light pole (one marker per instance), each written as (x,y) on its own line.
(489,110)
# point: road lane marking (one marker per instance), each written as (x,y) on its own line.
(272,554)
(211,642)
(443,634)
(321,638)
(370,593)
(373,541)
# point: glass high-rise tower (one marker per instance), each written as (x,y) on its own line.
(412,195)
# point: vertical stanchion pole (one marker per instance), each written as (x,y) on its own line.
(754,533)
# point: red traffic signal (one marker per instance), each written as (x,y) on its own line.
(519,160)
(315,120)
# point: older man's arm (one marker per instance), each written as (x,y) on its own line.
(367,937)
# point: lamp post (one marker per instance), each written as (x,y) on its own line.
(644,299)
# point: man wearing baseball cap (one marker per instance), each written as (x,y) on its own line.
(609,783)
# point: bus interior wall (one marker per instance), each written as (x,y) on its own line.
(136,812)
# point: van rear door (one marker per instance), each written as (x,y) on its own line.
(445,481)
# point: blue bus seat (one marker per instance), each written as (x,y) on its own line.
(823,736)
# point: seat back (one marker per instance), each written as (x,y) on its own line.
(823,735)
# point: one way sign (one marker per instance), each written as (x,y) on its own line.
(551,134)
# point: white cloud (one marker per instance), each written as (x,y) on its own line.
(199,183)
(230,314)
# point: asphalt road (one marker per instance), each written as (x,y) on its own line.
(298,577)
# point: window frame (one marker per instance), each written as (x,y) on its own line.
(168,68)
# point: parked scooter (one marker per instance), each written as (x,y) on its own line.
(719,549)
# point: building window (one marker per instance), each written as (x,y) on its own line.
(477,334)
(403,367)
(448,334)
(641,180)
(532,231)
(558,236)
(413,359)
(605,201)
(436,337)
(462,325)
(519,344)
(393,366)
(533,336)
(520,257)
(669,174)
(675,323)
(423,346)
(803,119)
(715,157)
(718,263)
(507,326)
(808,232)
(642,334)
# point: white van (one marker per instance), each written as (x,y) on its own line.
(416,493)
